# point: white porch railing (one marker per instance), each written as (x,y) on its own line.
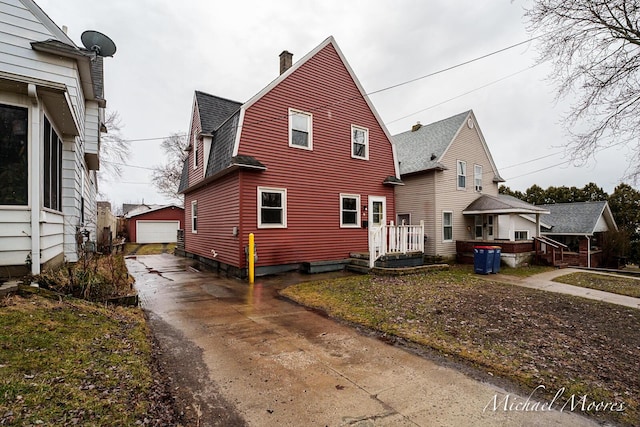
(395,239)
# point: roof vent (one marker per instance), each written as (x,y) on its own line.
(416,127)
(433,156)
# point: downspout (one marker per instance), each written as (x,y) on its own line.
(588,251)
(34,196)
(537,225)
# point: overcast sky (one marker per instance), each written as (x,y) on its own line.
(167,49)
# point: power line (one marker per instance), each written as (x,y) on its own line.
(454,66)
(463,94)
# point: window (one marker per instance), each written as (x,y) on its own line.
(462,175)
(272,208)
(14,166)
(404,219)
(194,216)
(477,177)
(521,235)
(490,220)
(447,226)
(359,143)
(349,211)
(300,126)
(52,191)
(195,152)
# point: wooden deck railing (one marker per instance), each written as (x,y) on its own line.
(395,239)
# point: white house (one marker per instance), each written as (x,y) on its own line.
(51,114)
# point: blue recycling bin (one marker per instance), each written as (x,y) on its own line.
(483,259)
(497,250)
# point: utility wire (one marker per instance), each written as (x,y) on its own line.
(455,66)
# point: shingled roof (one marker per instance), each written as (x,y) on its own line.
(502,204)
(422,149)
(579,218)
(214,110)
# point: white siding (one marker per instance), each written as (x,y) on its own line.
(15,229)
(509,224)
(21,23)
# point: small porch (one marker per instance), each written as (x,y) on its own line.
(396,245)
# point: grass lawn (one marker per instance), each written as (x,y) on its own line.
(529,336)
(614,284)
(70,362)
(149,248)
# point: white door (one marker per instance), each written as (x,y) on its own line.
(377,211)
(377,218)
(157,231)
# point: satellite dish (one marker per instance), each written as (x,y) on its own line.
(98,43)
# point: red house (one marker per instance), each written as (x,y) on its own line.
(306,165)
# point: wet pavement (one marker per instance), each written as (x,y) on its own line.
(265,361)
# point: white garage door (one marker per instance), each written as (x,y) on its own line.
(157,231)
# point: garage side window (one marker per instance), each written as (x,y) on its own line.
(194,216)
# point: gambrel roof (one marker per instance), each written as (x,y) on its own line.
(422,148)
(223,120)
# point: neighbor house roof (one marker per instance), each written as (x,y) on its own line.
(502,204)
(579,218)
(148,209)
(423,147)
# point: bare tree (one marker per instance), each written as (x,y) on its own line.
(114,150)
(166,178)
(594,46)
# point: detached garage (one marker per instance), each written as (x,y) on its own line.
(157,225)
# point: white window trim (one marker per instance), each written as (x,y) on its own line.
(398,215)
(520,231)
(282,191)
(366,142)
(350,196)
(458,174)
(194,217)
(443,226)
(195,152)
(293,112)
(477,176)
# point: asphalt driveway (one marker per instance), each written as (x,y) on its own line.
(244,356)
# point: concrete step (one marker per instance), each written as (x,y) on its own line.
(358,269)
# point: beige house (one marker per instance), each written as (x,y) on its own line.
(446,166)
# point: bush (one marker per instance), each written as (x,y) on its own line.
(97,278)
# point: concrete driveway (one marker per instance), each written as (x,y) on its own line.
(246,356)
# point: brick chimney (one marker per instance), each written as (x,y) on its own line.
(286,60)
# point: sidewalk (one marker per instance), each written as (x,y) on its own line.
(544,281)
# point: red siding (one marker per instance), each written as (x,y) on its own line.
(195,175)
(313,179)
(218,213)
(171,213)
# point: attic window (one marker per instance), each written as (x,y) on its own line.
(359,143)
(300,129)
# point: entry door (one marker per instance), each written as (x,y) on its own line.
(377,211)
(377,218)
(491,226)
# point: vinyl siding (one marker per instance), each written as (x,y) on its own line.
(418,198)
(314,179)
(466,146)
(19,26)
(195,175)
(218,213)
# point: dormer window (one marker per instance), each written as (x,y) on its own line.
(300,129)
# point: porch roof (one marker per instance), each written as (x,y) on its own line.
(502,204)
